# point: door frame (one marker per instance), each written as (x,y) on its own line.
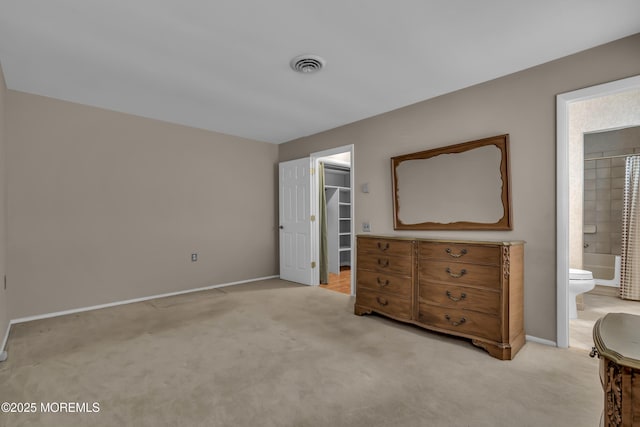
(563,101)
(315,195)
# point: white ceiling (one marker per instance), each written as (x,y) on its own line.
(223,65)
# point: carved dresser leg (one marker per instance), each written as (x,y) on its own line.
(359,311)
(502,352)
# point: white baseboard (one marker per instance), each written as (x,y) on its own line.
(129,301)
(6,337)
(541,341)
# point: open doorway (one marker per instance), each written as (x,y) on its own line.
(334,227)
(603,107)
(608,183)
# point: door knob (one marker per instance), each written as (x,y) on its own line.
(282,227)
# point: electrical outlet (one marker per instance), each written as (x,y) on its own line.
(366,227)
(194,257)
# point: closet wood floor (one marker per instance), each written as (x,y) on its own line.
(340,282)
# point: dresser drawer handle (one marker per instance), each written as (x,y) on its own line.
(452,298)
(458,323)
(383,263)
(462,252)
(382,301)
(382,283)
(454,275)
(383,248)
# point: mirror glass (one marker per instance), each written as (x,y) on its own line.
(464,186)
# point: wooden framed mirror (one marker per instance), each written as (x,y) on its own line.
(459,187)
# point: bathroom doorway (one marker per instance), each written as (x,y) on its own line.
(592,110)
(605,158)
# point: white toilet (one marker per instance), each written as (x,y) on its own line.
(580,281)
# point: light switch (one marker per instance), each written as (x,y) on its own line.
(365,187)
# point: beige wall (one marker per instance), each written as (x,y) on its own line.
(107,207)
(4,315)
(521,104)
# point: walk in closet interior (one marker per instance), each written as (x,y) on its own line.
(337,187)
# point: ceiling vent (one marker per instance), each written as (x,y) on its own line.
(307,63)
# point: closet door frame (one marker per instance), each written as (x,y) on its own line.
(315,195)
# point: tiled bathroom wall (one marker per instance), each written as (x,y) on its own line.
(604,175)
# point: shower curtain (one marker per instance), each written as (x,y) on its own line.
(630,259)
(322,204)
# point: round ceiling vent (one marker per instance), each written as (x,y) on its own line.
(307,63)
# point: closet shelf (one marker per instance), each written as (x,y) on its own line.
(336,170)
(338,208)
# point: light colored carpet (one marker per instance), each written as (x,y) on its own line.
(272,353)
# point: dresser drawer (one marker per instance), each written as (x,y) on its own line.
(461,321)
(385,246)
(460,273)
(460,297)
(397,285)
(384,303)
(460,252)
(385,264)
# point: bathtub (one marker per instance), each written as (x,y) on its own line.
(605,268)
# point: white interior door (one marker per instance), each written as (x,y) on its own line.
(295,221)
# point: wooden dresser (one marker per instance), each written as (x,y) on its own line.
(469,289)
(617,344)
